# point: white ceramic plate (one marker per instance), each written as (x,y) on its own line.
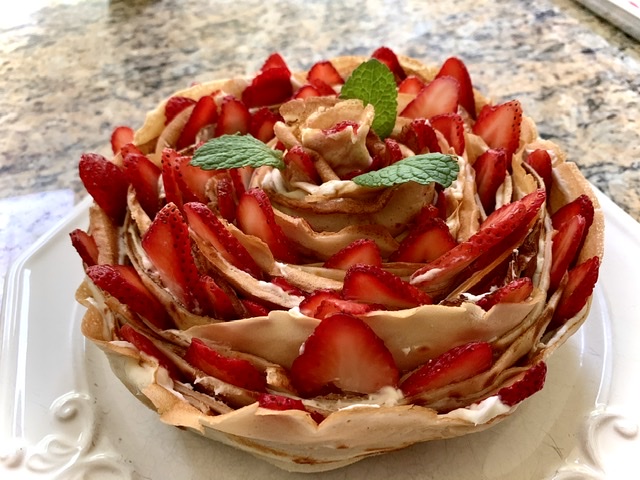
(64,415)
(625,14)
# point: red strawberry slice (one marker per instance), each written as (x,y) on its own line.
(306,91)
(301,164)
(236,371)
(262,122)
(270,87)
(226,198)
(565,248)
(438,97)
(581,205)
(390,59)
(420,137)
(323,88)
(204,113)
(330,306)
(221,303)
(234,117)
(496,231)
(86,247)
(324,71)
(372,284)
(182,181)
(312,302)
(499,126)
(491,171)
(123,283)
(425,242)
(254,308)
(530,383)
(145,345)
(516,291)
(106,183)
(454,67)
(580,284)
(175,105)
(281,403)
(285,285)
(129,148)
(452,127)
(275,60)
(411,85)
(144,176)
(255,217)
(207,226)
(343,352)
(540,161)
(168,247)
(363,251)
(120,137)
(455,365)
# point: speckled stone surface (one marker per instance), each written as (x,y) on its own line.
(70,71)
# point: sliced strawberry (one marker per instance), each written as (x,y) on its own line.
(454,67)
(204,113)
(384,153)
(285,285)
(540,161)
(390,59)
(119,137)
(363,251)
(324,71)
(420,137)
(204,223)
(270,87)
(411,85)
(307,91)
(168,246)
(234,117)
(182,181)
(425,242)
(175,105)
(106,183)
(129,148)
(255,217)
(581,205)
(86,247)
(236,371)
(281,403)
(221,303)
(225,198)
(312,302)
(144,176)
(426,214)
(345,353)
(580,284)
(301,164)
(262,122)
(255,309)
(438,97)
(491,171)
(330,306)
(516,291)
(565,248)
(145,345)
(241,178)
(512,219)
(124,283)
(323,88)
(455,365)
(371,284)
(530,383)
(452,127)
(499,126)
(275,60)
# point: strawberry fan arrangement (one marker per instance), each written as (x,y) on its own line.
(320,266)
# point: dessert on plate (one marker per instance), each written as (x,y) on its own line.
(320,266)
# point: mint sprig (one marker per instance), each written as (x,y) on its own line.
(373,83)
(425,169)
(235,151)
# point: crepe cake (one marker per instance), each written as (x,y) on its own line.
(320,266)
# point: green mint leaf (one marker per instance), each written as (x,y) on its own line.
(235,151)
(425,169)
(373,83)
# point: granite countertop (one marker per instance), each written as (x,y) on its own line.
(70,71)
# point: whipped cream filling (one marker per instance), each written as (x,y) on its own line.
(482,412)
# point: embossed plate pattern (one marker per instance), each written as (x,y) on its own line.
(64,415)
